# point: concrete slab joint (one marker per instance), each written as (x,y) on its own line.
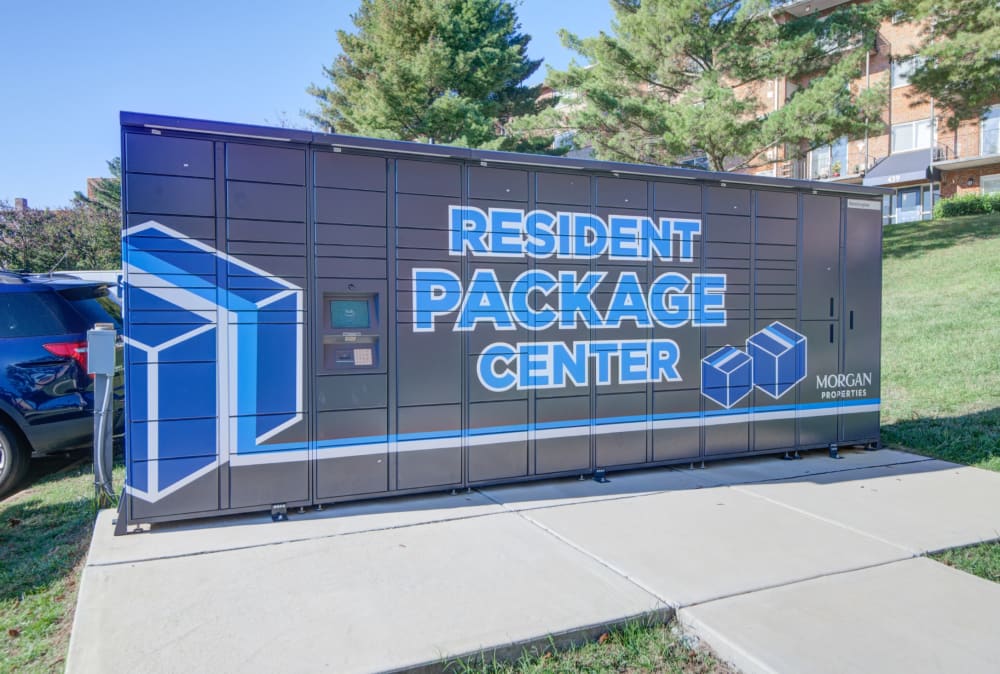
(762,560)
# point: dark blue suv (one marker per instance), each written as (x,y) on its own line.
(46,395)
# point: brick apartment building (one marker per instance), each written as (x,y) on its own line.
(917,155)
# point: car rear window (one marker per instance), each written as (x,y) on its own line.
(33,315)
(96,305)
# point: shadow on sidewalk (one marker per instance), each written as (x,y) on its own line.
(815,466)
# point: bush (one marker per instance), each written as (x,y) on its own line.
(967,204)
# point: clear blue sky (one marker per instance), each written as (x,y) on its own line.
(67,68)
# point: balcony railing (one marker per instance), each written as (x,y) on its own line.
(944,153)
(799,168)
(989,144)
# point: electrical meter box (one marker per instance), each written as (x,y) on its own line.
(314,318)
(101,350)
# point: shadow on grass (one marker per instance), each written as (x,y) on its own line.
(916,238)
(43,535)
(970,438)
(42,467)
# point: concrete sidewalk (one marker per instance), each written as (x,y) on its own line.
(780,566)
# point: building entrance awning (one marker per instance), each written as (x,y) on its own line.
(902,167)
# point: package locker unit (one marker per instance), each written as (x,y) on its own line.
(316,318)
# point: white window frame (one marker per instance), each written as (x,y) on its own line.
(992,178)
(903,68)
(828,150)
(913,135)
(890,204)
(991,119)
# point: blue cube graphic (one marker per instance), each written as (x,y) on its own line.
(726,376)
(189,304)
(779,358)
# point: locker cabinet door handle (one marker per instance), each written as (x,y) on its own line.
(831,307)
(852,319)
(831,333)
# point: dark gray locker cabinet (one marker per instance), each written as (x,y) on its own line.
(313,318)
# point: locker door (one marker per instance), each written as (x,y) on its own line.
(351,294)
(819,257)
(862,318)
(817,416)
(496,434)
(428,374)
(266,307)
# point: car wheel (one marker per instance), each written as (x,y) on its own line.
(14,459)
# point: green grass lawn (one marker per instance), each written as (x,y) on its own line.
(941,339)
(637,647)
(982,560)
(44,533)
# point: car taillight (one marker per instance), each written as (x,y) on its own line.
(75,350)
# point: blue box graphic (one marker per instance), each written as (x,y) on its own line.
(779,358)
(727,376)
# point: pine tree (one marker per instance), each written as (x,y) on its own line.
(107,191)
(436,71)
(960,50)
(675,78)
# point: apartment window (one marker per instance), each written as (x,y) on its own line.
(903,69)
(991,131)
(563,139)
(910,204)
(912,135)
(828,161)
(990,184)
